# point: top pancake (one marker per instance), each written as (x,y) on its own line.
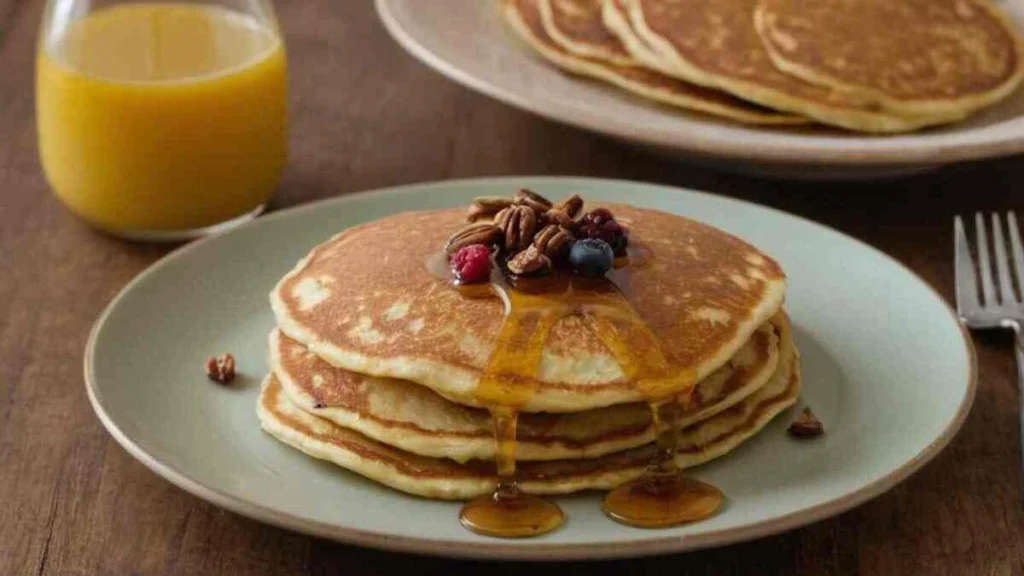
(913,56)
(365,301)
(714,43)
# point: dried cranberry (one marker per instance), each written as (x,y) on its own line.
(599,215)
(601,224)
(471,264)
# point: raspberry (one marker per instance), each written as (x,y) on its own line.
(472,264)
(600,224)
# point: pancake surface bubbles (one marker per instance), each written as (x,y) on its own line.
(714,43)
(364,301)
(913,56)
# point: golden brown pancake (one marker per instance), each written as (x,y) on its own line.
(713,43)
(447,479)
(912,56)
(615,17)
(576,26)
(525,17)
(414,418)
(365,301)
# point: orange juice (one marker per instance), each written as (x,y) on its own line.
(162,117)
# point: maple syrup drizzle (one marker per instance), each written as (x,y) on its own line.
(508,512)
(663,496)
(506,384)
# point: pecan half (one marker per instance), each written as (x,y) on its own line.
(560,217)
(537,207)
(530,198)
(484,206)
(480,233)
(529,262)
(221,368)
(571,205)
(806,425)
(553,242)
(518,224)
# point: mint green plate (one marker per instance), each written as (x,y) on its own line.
(887,367)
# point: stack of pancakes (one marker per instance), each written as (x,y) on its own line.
(879,66)
(375,361)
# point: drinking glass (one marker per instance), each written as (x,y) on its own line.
(162,120)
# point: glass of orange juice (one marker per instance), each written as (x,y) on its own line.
(162,120)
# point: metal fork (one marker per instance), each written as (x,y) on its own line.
(997,306)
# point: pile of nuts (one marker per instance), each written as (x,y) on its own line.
(530,236)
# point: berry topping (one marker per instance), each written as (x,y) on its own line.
(591,256)
(598,215)
(599,223)
(472,264)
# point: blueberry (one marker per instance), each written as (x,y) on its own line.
(591,256)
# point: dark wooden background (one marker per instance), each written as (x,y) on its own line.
(367,115)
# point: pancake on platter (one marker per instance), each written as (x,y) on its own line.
(524,16)
(615,17)
(713,43)
(446,479)
(912,56)
(366,301)
(571,24)
(414,418)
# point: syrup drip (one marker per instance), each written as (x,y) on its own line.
(507,383)
(508,512)
(663,496)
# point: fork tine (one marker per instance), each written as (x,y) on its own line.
(966,281)
(1018,250)
(1006,294)
(988,291)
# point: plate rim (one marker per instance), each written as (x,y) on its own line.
(510,550)
(927,154)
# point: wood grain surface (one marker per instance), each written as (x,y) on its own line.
(364,115)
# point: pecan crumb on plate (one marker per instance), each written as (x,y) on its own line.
(221,368)
(806,425)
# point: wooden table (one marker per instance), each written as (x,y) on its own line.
(367,115)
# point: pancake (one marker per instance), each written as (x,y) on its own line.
(524,16)
(576,26)
(615,17)
(446,479)
(912,56)
(416,419)
(365,301)
(713,43)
